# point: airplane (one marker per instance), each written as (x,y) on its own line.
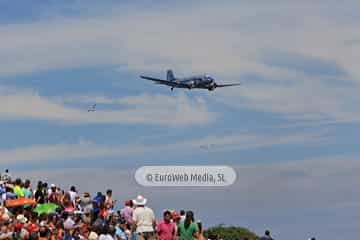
(201,81)
(92,108)
(207,146)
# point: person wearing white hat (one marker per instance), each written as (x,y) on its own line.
(143,219)
(21,219)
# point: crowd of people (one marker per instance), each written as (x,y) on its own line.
(80,216)
(83,217)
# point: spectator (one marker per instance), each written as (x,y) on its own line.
(2,193)
(69,223)
(39,194)
(68,205)
(109,202)
(188,230)
(18,188)
(27,189)
(111,235)
(86,203)
(45,191)
(267,236)
(127,211)
(166,229)
(6,177)
(143,219)
(182,215)
(43,233)
(73,194)
(96,204)
(53,196)
(121,229)
(201,234)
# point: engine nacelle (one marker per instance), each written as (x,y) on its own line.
(212,86)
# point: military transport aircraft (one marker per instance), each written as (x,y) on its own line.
(202,81)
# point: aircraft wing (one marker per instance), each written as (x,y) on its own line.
(160,81)
(227,85)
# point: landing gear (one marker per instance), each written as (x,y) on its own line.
(172,89)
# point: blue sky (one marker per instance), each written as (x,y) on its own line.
(297,106)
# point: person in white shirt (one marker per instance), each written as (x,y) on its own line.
(143,219)
(73,196)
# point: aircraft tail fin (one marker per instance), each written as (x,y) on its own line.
(170,75)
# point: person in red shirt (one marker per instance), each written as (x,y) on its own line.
(166,229)
(33,226)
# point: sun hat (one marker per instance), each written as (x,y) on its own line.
(93,236)
(22,219)
(140,200)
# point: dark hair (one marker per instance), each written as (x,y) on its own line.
(182,212)
(189,218)
(167,212)
(18,181)
(73,189)
(43,217)
(43,232)
(267,233)
(27,183)
(108,191)
(122,220)
(104,229)
(33,236)
(199,226)
(34,216)
(76,231)
(111,230)
(51,216)
(65,215)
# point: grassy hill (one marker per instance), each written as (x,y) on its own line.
(229,233)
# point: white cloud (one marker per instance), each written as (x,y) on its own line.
(218,38)
(305,98)
(90,150)
(214,37)
(144,109)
